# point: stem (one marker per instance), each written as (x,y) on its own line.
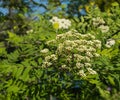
(56,32)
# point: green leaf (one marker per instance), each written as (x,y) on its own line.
(15,69)
(40,61)
(111,80)
(11,35)
(25,75)
(95,82)
(33,63)
(115,4)
(19,72)
(8,83)
(105,94)
(82,19)
(76,19)
(13,88)
(14,38)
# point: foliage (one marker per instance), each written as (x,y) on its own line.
(36,66)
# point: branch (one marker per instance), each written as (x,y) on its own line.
(114,34)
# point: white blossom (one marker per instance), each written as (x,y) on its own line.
(51,42)
(97,43)
(46,64)
(91,71)
(80,49)
(69,48)
(63,23)
(90,42)
(97,21)
(53,57)
(87,64)
(74,51)
(68,43)
(47,58)
(89,54)
(78,57)
(96,55)
(110,42)
(79,65)
(54,19)
(104,28)
(44,51)
(81,73)
(29,31)
(68,59)
(91,49)
(87,59)
(60,48)
(63,66)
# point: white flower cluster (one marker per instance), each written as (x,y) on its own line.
(49,60)
(109,43)
(77,52)
(44,51)
(99,22)
(62,23)
(104,28)
(29,31)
